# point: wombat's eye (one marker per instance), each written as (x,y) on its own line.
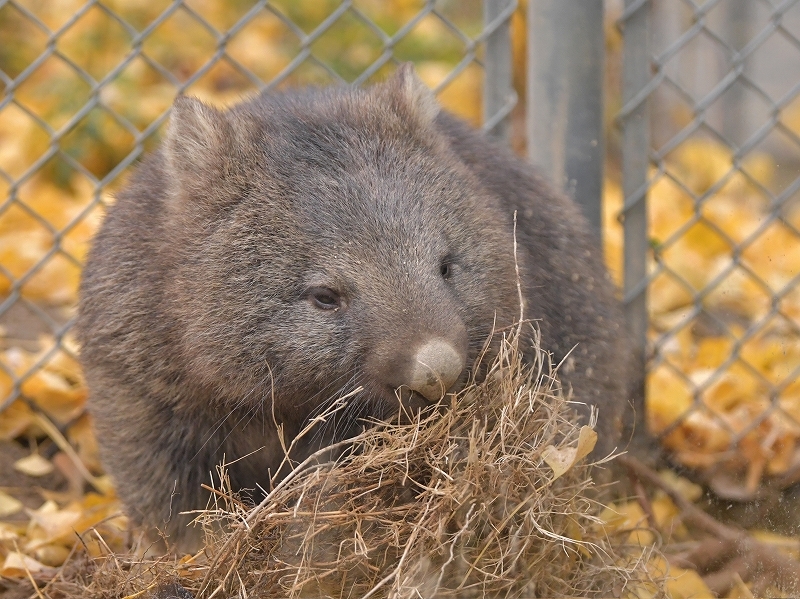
(446,268)
(324,298)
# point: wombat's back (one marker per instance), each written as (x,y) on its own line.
(567,289)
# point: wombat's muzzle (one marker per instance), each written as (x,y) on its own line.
(435,367)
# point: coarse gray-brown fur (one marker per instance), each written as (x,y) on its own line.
(273,257)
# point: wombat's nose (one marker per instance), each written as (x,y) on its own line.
(437,365)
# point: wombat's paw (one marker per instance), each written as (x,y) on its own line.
(173,590)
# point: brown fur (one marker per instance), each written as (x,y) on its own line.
(195,306)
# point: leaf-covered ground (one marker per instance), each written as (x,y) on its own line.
(723,303)
(725,316)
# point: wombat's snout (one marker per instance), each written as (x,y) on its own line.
(436,367)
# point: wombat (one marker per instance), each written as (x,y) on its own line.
(274,257)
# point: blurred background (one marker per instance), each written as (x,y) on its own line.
(697,150)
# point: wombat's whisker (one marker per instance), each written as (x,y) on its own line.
(341,390)
(332,397)
(353,412)
(328,431)
(332,410)
(231,429)
(243,402)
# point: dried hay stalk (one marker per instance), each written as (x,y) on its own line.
(486,498)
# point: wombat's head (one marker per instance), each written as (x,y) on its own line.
(331,240)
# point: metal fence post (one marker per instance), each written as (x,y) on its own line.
(635,122)
(565,97)
(498,92)
(739,22)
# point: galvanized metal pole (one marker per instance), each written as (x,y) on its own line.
(499,97)
(739,23)
(635,121)
(566,47)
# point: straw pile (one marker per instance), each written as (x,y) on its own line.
(491,496)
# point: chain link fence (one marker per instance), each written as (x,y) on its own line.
(86,87)
(709,193)
(711,182)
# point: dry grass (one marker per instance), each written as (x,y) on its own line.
(489,497)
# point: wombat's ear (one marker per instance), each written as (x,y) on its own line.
(414,92)
(199,146)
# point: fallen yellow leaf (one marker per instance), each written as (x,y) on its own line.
(9,505)
(50,524)
(632,517)
(561,460)
(668,398)
(686,584)
(33,465)
(52,555)
(10,532)
(19,565)
(16,418)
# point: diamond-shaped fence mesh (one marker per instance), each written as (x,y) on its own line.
(711,144)
(86,86)
(710,141)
